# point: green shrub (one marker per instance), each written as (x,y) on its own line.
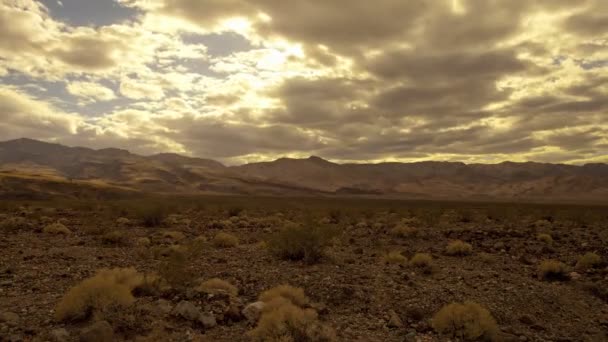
(468,321)
(301,242)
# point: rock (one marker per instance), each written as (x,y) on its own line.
(527,320)
(394,320)
(410,337)
(253,311)
(60,335)
(187,310)
(10,318)
(207,320)
(100,331)
(575,276)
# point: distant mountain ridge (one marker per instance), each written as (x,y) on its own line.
(174,173)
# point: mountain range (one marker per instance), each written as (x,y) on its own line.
(34,167)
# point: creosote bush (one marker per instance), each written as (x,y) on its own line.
(107,289)
(467,321)
(458,247)
(301,242)
(217,286)
(284,318)
(56,229)
(545,238)
(422,261)
(552,270)
(225,240)
(152,214)
(394,257)
(587,261)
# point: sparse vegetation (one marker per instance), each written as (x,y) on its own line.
(467,321)
(459,248)
(225,240)
(395,257)
(12,224)
(587,261)
(106,289)
(545,238)
(56,229)
(404,230)
(552,270)
(301,242)
(284,319)
(422,261)
(115,237)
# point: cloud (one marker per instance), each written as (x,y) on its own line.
(91,91)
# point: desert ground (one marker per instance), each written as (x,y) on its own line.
(301,269)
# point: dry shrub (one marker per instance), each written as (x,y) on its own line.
(295,295)
(115,237)
(225,240)
(404,231)
(458,247)
(284,318)
(174,235)
(123,221)
(394,257)
(107,289)
(218,286)
(587,261)
(467,321)
(545,238)
(56,229)
(12,224)
(552,270)
(422,261)
(152,214)
(142,241)
(301,242)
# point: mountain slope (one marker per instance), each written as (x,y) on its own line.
(172,173)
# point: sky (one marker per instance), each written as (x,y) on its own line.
(477,81)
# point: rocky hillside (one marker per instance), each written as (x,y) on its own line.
(174,173)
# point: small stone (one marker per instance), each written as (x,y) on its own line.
(187,310)
(253,311)
(410,337)
(60,335)
(394,320)
(100,331)
(207,320)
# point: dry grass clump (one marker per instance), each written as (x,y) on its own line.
(467,321)
(458,247)
(143,241)
(56,229)
(225,240)
(545,238)
(285,319)
(404,231)
(301,242)
(107,289)
(423,261)
(552,270)
(394,257)
(123,221)
(115,237)
(587,261)
(218,286)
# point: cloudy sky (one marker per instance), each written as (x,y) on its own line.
(348,80)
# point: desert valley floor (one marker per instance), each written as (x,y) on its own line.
(371,270)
